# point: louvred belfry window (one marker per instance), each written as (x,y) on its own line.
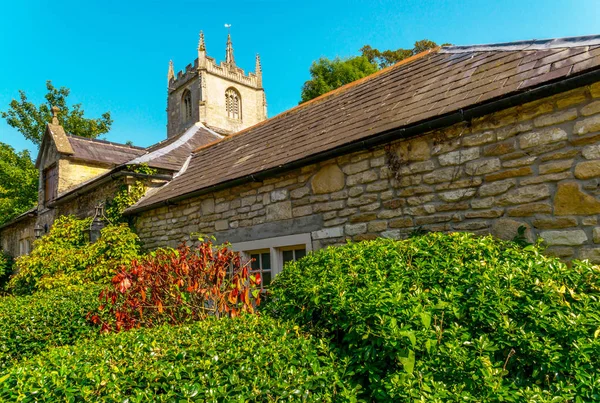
(233,104)
(50,183)
(186,105)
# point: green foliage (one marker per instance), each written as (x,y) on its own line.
(179,286)
(246,359)
(64,256)
(452,318)
(18,183)
(31,120)
(327,75)
(31,324)
(6,268)
(128,195)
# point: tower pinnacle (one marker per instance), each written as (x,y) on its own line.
(171,73)
(258,70)
(229,59)
(201,44)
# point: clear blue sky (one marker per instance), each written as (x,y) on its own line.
(114,54)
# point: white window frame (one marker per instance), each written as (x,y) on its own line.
(275,246)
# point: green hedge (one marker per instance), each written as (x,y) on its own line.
(34,323)
(451,317)
(249,358)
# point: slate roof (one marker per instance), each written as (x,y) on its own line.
(173,152)
(102,152)
(421,88)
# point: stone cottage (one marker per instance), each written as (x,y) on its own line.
(483,139)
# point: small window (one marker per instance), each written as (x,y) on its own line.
(261,263)
(291,255)
(50,183)
(233,104)
(186,105)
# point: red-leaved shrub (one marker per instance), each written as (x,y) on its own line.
(178,286)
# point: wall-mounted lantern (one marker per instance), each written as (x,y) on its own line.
(38,230)
(97,224)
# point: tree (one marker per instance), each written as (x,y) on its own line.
(31,120)
(18,182)
(327,75)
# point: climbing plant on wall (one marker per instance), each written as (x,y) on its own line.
(128,195)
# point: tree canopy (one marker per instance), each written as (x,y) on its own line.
(18,182)
(31,120)
(327,75)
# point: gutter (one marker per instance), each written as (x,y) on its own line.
(109,176)
(462,115)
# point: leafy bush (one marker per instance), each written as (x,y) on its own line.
(179,286)
(248,358)
(452,317)
(64,256)
(6,267)
(31,324)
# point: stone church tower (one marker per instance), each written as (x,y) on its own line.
(221,96)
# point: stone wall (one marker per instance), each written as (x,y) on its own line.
(536,165)
(21,231)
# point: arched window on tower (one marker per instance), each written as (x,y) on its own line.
(186,105)
(233,104)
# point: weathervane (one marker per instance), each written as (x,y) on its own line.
(228,26)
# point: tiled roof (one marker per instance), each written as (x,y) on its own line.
(424,87)
(102,152)
(172,153)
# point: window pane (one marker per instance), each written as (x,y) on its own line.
(266,261)
(300,253)
(288,256)
(266,278)
(255,265)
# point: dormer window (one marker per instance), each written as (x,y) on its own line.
(186,105)
(233,104)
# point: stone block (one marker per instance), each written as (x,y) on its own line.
(221,225)
(377,161)
(377,226)
(571,200)
(555,118)
(564,238)
(419,200)
(591,254)
(370,207)
(596,235)
(519,162)
(363,177)
(542,137)
(554,222)
(587,125)
(484,213)
(328,206)
(459,157)
(356,191)
(524,194)
(459,184)
(456,195)
(595,90)
(560,155)
(328,179)
(208,206)
(434,219)
(495,188)
(335,222)
(507,229)
(403,222)
(480,167)
(534,180)
(589,220)
(556,166)
(418,167)
(279,195)
(587,169)
(413,150)
(509,173)
(355,229)
(442,175)
(355,168)
(528,210)
(591,108)
(591,152)
(479,138)
(326,233)
(279,211)
(341,195)
(499,148)
(363,218)
(510,131)
(362,200)
(571,97)
(378,186)
(471,225)
(559,251)
(300,192)
(302,211)
(482,203)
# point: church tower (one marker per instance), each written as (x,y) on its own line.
(221,96)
